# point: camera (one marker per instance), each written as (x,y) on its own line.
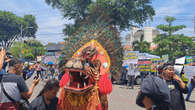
(8,54)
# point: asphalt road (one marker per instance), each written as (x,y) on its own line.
(121,98)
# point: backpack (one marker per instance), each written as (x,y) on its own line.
(157,90)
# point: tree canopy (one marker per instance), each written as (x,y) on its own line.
(122,13)
(141,46)
(29,49)
(101,20)
(12,25)
(175,45)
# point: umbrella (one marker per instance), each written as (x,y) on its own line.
(125,66)
(50,63)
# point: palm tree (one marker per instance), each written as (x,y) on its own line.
(141,46)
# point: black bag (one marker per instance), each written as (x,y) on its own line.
(157,90)
(23,103)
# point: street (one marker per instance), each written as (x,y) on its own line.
(121,98)
(91,41)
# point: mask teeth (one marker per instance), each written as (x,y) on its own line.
(68,83)
(78,85)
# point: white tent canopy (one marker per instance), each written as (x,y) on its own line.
(140,56)
(147,56)
(180,60)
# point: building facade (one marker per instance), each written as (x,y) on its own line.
(148,32)
(54,51)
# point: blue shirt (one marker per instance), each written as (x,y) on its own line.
(3,68)
(2,71)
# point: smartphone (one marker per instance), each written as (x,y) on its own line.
(36,77)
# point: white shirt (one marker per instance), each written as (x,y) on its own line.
(131,70)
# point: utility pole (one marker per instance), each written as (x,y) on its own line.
(21,41)
(21,30)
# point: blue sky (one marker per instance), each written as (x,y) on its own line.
(51,22)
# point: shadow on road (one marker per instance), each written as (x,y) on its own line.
(125,87)
(192,101)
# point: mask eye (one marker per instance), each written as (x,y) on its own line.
(69,64)
(78,65)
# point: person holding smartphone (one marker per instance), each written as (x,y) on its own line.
(13,86)
(2,58)
(176,86)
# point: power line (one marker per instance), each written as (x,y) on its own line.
(50,34)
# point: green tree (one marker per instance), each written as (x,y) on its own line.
(101,20)
(169,28)
(28,56)
(12,25)
(29,49)
(122,13)
(16,49)
(175,45)
(141,46)
(37,47)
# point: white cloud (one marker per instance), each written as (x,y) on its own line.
(54,38)
(189,31)
(172,7)
(49,20)
(50,24)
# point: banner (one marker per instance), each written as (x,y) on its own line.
(189,59)
(154,63)
(180,60)
(47,59)
(39,58)
(131,57)
(144,65)
(178,68)
(189,71)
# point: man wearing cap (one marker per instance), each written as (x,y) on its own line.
(176,86)
(14,86)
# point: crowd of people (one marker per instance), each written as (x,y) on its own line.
(14,92)
(43,71)
(158,92)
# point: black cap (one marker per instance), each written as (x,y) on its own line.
(15,61)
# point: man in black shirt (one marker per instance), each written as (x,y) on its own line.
(176,86)
(191,87)
(15,86)
(47,99)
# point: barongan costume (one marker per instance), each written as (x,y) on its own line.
(86,81)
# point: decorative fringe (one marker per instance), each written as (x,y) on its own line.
(105,84)
(99,107)
(65,79)
(104,101)
(94,101)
